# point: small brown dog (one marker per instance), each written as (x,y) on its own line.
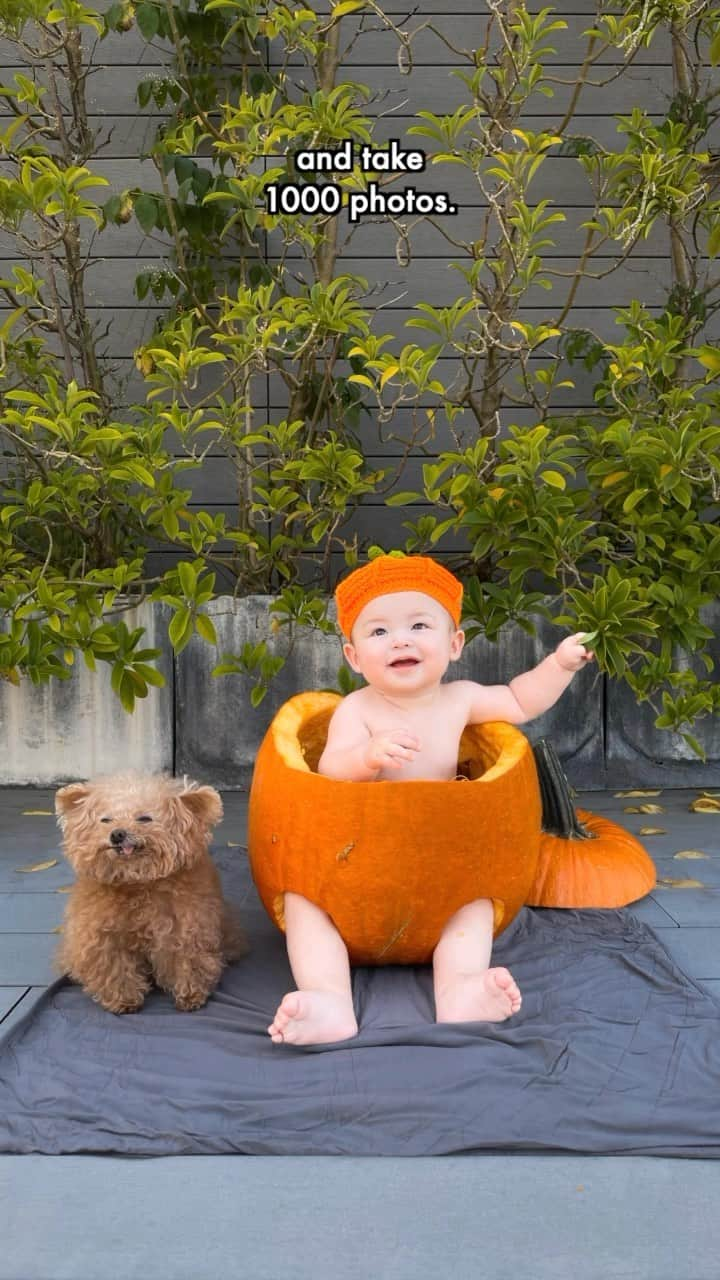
(147,903)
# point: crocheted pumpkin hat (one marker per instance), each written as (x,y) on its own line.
(387,574)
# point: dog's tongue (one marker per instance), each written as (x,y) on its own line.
(127,846)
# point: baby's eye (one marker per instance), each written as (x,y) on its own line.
(419,624)
(378,631)
(144,818)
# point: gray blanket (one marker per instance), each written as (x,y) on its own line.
(615,1051)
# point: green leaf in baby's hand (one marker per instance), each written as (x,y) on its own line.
(588,637)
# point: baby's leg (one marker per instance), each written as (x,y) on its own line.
(466,989)
(321,1010)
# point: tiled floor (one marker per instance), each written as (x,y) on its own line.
(633,1218)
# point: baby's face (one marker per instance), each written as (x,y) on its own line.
(403,642)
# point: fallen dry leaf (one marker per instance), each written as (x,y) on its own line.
(643,808)
(704,804)
(40,866)
(38,813)
(625,795)
(652,831)
(232,845)
(680,884)
(65,888)
(58,929)
(691,853)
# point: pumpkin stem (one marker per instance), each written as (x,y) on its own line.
(558,811)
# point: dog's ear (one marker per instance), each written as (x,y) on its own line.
(204,803)
(67,797)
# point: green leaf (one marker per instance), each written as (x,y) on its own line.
(633,499)
(146,211)
(709,357)
(206,628)
(553,478)
(180,629)
(170,522)
(402,499)
(188,578)
(148,20)
(184,168)
(257,694)
(694,745)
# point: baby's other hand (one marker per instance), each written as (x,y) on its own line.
(390,749)
(571,654)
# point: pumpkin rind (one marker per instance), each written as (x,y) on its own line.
(391,862)
(610,870)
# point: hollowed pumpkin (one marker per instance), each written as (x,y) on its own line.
(391,862)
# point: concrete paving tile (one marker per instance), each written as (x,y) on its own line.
(687,905)
(33,882)
(15,799)
(25,958)
(31,912)
(652,913)
(27,1002)
(9,997)
(32,819)
(707,870)
(691,907)
(608,1218)
(696,951)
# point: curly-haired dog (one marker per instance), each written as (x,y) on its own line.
(147,903)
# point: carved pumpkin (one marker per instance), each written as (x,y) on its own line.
(391,862)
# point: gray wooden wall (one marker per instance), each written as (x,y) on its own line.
(120,253)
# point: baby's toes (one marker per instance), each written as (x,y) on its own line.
(509,987)
(286,1011)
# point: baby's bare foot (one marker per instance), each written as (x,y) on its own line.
(491,996)
(313,1017)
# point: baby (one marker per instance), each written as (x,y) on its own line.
(400,617)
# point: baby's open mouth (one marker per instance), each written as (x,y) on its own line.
(405,662)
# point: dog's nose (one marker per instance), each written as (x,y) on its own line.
(117,836)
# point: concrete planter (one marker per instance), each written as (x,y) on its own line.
(205,726)
(70,729)
(217,730)
(218,733)
(636,749)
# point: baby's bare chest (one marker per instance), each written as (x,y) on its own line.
(438,731)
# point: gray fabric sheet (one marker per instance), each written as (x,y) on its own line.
(615,1051)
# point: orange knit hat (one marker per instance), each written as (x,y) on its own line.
(386,574)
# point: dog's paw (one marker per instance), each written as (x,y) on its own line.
(121,1007)
(191,1000)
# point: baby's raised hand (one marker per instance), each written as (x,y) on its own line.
(390,748)
(572,654)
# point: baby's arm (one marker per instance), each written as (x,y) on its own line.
(354,754)
(531,693)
